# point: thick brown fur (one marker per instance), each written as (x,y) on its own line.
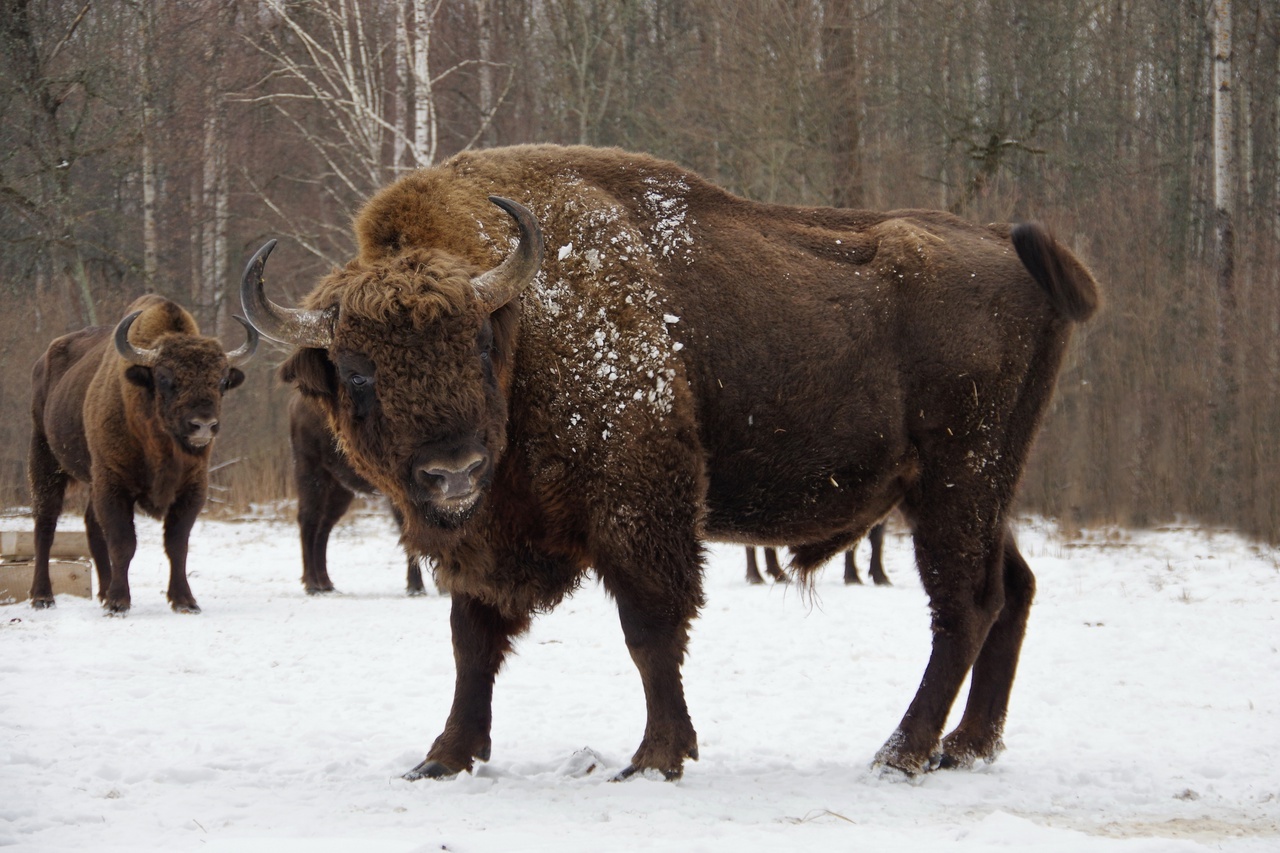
(690,365)
(125,430)
(326,486)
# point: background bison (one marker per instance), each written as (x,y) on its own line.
(326,485)
(875,569)
(132,412)
(686,364)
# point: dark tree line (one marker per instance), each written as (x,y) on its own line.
(153,144)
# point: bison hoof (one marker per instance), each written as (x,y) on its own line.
(430,769)
(415,591)
(893,760)
(960,751)
(650,772)
(320,590)
(115,607)
(42,603)
(187,607)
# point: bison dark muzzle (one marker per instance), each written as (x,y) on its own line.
(686,365)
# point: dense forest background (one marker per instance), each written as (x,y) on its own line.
(154,144)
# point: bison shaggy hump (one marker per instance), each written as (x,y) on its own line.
(685,364)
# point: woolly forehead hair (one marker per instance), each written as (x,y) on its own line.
(417,287)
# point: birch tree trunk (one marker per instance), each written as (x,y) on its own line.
(1226,392)
(150,239)
(209,284)
(484,15)
(400,157)
(424,107)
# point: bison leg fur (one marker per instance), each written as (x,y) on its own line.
(851,569)
(772,567)
(177,535)
(321,503)
(876,538)
(655,618)
(657,646)
(977,737)
(481,640)
(965,583)
(413,577)
(48,488)
(98,548)
(114,511)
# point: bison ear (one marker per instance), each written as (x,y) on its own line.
(235,378)
(311,372)
(140,376)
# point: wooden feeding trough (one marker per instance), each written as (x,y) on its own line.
(70,567)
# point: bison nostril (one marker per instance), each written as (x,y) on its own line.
(204,425)
(451,482)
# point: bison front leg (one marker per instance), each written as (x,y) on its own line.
(114,513)
(481,640)
(177,534)
(657,645)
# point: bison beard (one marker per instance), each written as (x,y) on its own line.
(686,364)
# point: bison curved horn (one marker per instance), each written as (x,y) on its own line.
(238,357)
(504,282)
(130,353)
(285,325)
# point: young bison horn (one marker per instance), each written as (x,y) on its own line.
(285,325)
(504,282)
(130,353)
(238,357)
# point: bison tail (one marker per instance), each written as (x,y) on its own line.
(1070,286)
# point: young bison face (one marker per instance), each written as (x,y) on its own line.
(184,377)
(410,358)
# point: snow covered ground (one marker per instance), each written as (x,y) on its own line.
(1145,717)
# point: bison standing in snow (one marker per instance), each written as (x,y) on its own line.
(133,413)
(326,486)
(685,365)
(876,567)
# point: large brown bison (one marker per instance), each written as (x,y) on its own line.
(133,413)
(326,486)
(685,365)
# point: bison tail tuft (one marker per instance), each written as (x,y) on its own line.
(1070,286)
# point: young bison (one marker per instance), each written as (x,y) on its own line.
(133,413)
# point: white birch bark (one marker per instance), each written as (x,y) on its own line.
(404,116)
(150,240)
(1224,160)
(484,16)
(424,107)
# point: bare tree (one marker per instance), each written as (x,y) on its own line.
(354,80)
(37,181)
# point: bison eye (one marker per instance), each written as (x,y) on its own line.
(357,380)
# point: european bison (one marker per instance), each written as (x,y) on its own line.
(326,486)
(685,364)
(774,568)
(133,413)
